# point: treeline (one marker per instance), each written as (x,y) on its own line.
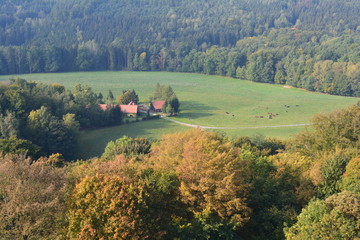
(38,119)
(302,59)
(193,185)
(308,44)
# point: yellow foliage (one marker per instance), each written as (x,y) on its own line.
(143,55)
(212,173)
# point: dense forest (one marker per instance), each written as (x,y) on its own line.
(193,185)
(312,44)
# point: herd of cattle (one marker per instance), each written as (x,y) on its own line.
(269,115)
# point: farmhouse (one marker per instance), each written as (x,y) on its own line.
(104,107)
(130,110)
(157,106)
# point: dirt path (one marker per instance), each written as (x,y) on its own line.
(232,128)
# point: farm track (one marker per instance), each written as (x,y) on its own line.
(233,128)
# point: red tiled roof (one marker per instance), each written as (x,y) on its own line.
(105,106)
(158,105)
(123,108)
(129,108)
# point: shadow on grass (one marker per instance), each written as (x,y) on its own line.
(195,110)
(93,142)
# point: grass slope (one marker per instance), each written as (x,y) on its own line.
(92,143)
(205,100)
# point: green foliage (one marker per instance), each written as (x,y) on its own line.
(9,125)
(24,147)
(166,93)
(206,225)
(340,128)
(83,95)
(261,67)
(335,218)
(351,178)
(110,98)
(272,198)
(332,172)
(52,134)
(128,96)
(302,44)
(126,146)
(71,123)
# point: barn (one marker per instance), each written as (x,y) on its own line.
(157,106)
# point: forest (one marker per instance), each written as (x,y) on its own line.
(302,43)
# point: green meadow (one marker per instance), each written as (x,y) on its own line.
(212,101)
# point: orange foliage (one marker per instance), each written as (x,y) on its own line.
(213,175)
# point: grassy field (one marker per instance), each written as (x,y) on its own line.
(205,100)
(92,143)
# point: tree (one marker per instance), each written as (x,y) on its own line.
(52,134)
(351,177)
(213,176)
(9,125)
(53,59)
(71,123)
(261,67)
(337,217)
(32,200)
(83,95)
(126,146)
(110,98)
(337,129)
(128,96)
(166,93)
(117,207)
(332,172)
(23,147)
(15,101)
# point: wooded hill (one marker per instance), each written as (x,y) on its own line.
(303,43)
(143,23)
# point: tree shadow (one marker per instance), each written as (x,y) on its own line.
(194,110)
(93,142)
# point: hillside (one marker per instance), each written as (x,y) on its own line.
(302,43)
(230,106)
(166,22)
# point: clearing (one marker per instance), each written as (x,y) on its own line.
(231,106)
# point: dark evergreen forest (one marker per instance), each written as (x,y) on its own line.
(313,44)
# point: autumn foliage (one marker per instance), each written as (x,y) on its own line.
(192,185)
